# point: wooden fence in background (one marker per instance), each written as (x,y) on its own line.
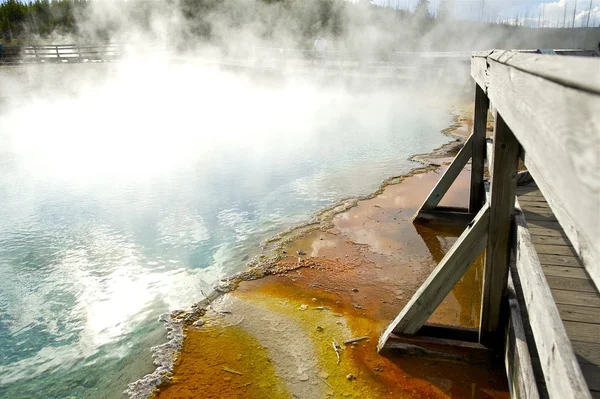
(57,53)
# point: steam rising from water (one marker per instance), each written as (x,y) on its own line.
(128,188)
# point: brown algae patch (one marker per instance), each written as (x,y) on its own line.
(223,361)
(326,315)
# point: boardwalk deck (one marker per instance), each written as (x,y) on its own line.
(574,292)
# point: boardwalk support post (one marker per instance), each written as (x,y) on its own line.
(476,194)
(502,204)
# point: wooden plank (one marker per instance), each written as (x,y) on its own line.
(559,260)
(584,332)
(547,225)
(478,69)
(576,298)
(542,210)
(538,238)
(587,352)
(571,284)
(589,372)
(555,250)
(517,359)
(561,370)
(502,199)
(442,186)
(583,314)
(545,231)
(563,271)
(476,193)
(441,348)
(566,167)
(440,282)
(578,72)
(592,375)
(540,217)
(530,193)
(533,202)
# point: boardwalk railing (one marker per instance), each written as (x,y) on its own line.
(35,53)
(546,114)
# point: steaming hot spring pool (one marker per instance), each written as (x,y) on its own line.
(126,191)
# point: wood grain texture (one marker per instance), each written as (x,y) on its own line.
(584,332)
(505,161)
(587,352)
(476,192)
(577,72)
(559,260)
(568,297)
(479,70)
(571,284)
(517,359)
(440,282)
(566,167)
(562,374)
(563,271)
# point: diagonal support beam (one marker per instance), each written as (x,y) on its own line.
(442,186)
(438,285)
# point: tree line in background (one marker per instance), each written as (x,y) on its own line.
(235,25)
(40,19)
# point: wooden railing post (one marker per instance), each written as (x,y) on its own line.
(502,202)
(476,195)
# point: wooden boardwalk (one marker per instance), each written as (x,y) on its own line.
(575,294)
(542,254)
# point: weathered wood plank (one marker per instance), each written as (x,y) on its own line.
(592,375)
(442,186)
(567,166)
(538,237)
(550,225)
(561,370)
(563,271)
(536,216)
(554,249)
(577,72)
(476,193)
(440,282)
(576,298)
(571,284)
(559,260)
(531,194)
(540,210)
(517,359)
(505,161)
(478,69)
(587,352)
(583,314)
(584,332)
(532,202)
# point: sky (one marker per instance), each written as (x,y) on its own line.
(549,13)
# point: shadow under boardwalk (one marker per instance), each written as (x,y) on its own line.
(575,294)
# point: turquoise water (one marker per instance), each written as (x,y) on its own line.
(121,202)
